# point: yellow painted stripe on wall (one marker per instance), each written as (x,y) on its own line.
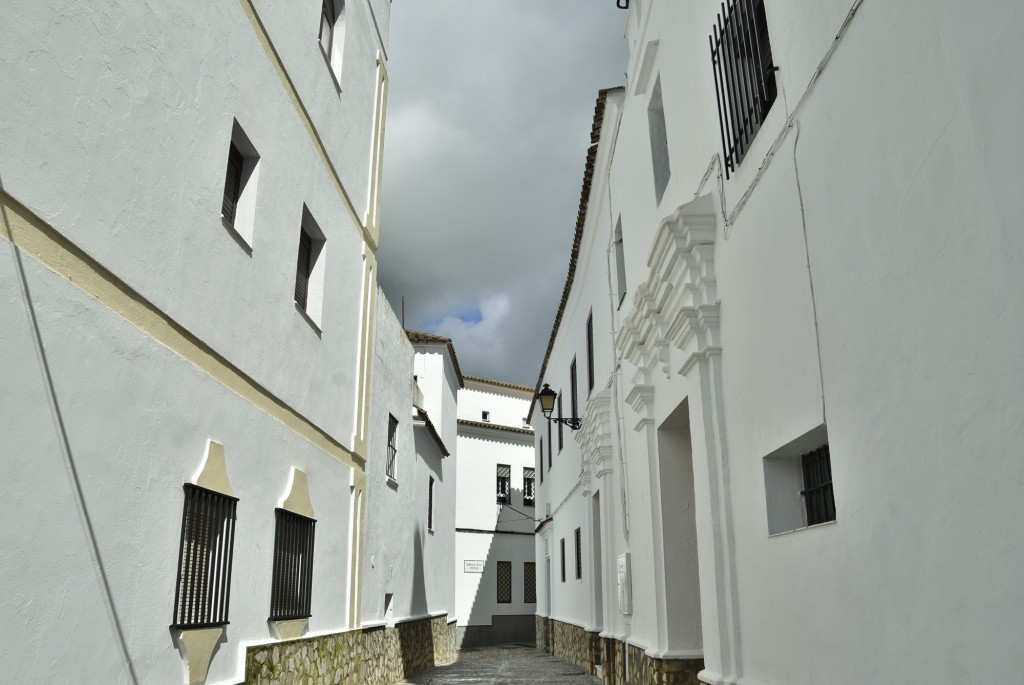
(45,244)
(307,121)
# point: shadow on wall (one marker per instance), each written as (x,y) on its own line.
(491,621)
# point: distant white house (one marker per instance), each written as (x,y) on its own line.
(791,330)
(189,216)
(495,573)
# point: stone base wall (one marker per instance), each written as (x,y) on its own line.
(375,656)
(322,660)
(569,643)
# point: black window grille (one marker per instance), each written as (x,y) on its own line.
(504,483)
(291,589)
(550,448)
(561,442)
(430,504)
(562,550)
(817,492)
(573,401)
(303,268)
(232,184)
(530,582)
(504,582)
(203,588)
(392,446)
(540,465)
(590,354)
(528,486)
(745,87)
(579,555)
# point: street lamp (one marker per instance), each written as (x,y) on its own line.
(547,405)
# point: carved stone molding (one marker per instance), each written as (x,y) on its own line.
(677,305)
(595,437)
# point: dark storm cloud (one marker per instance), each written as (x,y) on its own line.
(490,108)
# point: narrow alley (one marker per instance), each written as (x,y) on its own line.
(504,664)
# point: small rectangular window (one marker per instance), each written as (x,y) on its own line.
(504,472)
(430,504)
(540,460)
(659,141)
(332,36)
(504,582)
(529,582)
(485,416)
(561,441)
(528,487)
(292,586)
(204,558)
(561,544)
(579,555)
(620,262)
(590,353)
(232,184)
(389,469)
(238,205)
(550,449)
(309,270)
(573,401)
(817,492)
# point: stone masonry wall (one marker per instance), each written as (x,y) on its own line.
(647,670)
(573,644)
(375,656)
(544,633)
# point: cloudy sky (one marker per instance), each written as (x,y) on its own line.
(489,115)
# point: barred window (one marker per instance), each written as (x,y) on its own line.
(392,448)
(504,582)
(232,184)
(529,582)
(561,442)
(540,464)
(203,588)
(817,493)
(528,487)
(504,472)
(291,587)
(573,402)
(430,504)
(590,353)
(562,549)
(745,87)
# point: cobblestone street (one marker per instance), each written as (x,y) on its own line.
(514,664)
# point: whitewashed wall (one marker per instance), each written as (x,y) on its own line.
(887,187)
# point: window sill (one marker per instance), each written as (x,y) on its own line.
(312,324)
(430,530)
(330,69)
(797,530)
(392,483)
(238,237)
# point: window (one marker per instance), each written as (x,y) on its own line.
(238,206)
(550,450)
(562,549)
(309,270)
(659,141)
(504,582)
(590,353)
(204,559)
(579,555)
(291,588)
(430,504)
(389,469)
(540,464)
(561,442)
(504,483)
(817,493)
(573,402)
(741,58)
(528,487)
(620,262)
(332,36)
(485,416)
(529,582)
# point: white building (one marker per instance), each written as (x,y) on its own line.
(408,584)
(791,469)
(189,200)
(495,573)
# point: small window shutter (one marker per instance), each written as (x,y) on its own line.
(232,184)
(302,269)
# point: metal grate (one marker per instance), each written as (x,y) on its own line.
(389,468)
(291,588)
(817,492)
(590,353)
(745,88)
(562,549)
(303,268)
(573,403)
(504,582)
(504,472)
(430,504)
(203,588)
(529,491)
(530,582)
(561,442)
(579,554)
(232,184)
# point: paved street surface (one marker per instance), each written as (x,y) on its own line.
(514,664)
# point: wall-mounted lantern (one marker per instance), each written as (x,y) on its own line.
(547,405)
